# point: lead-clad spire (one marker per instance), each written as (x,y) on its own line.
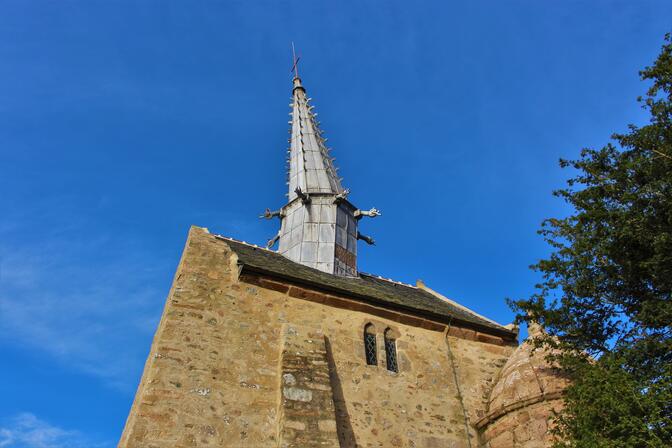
(319,225)
(311,170)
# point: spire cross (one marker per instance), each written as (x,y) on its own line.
(295,67)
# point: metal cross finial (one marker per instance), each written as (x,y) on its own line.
(295,67)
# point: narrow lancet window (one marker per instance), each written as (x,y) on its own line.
(391,351)
(370,345)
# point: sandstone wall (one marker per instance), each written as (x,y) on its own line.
(477,366)
(525,427)
(524,399)
(214,373)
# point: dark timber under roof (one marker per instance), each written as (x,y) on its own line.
(367,287)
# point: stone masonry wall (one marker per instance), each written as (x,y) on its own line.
(215,369)
(477,366)
(524,399)
(526,427)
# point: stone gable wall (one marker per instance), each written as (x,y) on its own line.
(214,374)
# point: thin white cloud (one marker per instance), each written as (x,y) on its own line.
(79,298)
(25,430)
(79,292)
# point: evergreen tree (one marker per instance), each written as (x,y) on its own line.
(606,295)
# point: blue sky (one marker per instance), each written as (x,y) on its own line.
(123,123)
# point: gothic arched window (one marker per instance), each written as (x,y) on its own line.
(370,348)
(391,351)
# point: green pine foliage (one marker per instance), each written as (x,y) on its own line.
(606,295)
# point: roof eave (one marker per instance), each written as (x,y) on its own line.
(446,320)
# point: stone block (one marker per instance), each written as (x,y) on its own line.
(504,440)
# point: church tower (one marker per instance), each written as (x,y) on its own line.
(295,348)
(319,225)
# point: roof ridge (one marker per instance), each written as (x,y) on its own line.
(440,296)
(228,238)
(387,279)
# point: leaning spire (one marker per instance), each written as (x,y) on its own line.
(319,226)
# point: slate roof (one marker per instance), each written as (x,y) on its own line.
(370,288)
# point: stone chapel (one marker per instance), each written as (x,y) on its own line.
(295,347)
